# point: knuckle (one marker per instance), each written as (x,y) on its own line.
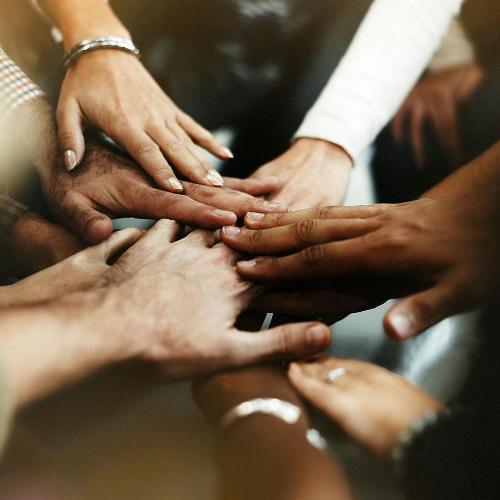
(324,212)
(147,148)
(312,256)
(304,229)
(254,236)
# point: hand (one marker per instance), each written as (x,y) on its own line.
(312,172)
(108,184)
(194,335)
(437,100)
(447,249)
(34,244)
(115,92)
(372,405)
(79,272)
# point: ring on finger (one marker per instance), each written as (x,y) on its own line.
(335,374)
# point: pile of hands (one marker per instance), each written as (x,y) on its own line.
(184,293)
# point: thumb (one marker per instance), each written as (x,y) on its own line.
(71,140)
(416,313)
(286,341)
(90,225)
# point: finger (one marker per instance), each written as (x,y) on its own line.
(283,342)
(91,226)
(398,123)
(233,201)
(263,221)
(295,237)
(319,261)
(180,151)
(158,204)
(253,186)
(322,367)
(148,154)
(417,136)
(203,137)
(202,238)
(70,134)
(414,314)
(445,120)
(117,243)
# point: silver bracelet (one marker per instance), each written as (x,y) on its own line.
(103,42)
(278,408)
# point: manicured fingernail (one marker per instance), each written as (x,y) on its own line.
(247,264)
(227,153)
(226,213)
(69,160)
(175,184)
(215,178)
(254,216)
(275,207)
(316,336)
(231,230)
(402,325)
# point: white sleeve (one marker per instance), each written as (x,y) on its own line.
(455,50)
(392,47)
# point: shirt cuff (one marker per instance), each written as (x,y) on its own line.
(336,131)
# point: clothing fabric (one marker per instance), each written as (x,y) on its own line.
(16,88)
(391,49)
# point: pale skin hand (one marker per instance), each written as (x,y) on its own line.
(108,184)
(115,92)
(312,172)
(437,100)
(133,311)
(372,405)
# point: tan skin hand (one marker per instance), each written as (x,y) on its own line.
(372,405)
(447,249)
(312,172)
(437,100)
(115,92)
(108,184)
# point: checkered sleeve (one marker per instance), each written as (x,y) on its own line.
(16,88)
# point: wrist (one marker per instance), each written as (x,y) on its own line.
(333,152)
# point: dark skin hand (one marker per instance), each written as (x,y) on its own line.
(108,184)
(34,244)
(450,245)
(260,456)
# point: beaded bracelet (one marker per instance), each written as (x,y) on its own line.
(15,87)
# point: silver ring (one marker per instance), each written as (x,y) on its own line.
(335,374)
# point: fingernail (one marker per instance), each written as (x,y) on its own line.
(215,178)
(227,153)
(217,236)
(226,213)
(254,216)
(175,184)
(231,230)
(275,207)
(69,160)
(316,336)
(247,264)
(402,325)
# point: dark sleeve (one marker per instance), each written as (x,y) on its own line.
(457,458)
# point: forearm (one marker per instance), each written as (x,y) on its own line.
(479,175)
(261,456)
(391,49)
(51,345)
(82,19)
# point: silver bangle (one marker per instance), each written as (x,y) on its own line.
(103,42)
(283,410)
